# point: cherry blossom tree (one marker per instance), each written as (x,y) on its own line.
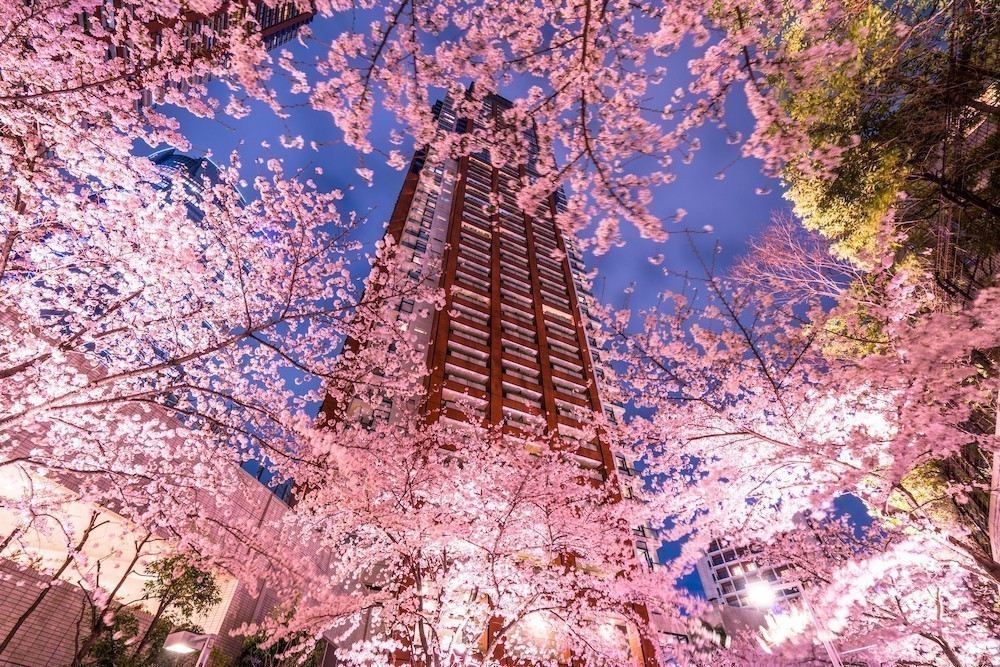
(470,543)
(144,353)
(762,414)
(793,265)
(890,593)
(603,95)
(147,353)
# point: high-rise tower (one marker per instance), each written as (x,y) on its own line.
(511,344)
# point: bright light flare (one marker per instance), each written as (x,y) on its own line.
(535,625)
(185,642)
(760,594)
(181,648)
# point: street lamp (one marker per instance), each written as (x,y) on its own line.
(189,642)
(821,632)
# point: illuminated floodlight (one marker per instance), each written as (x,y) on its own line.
(760,594)
(185,642)
(181,648)
(536,626)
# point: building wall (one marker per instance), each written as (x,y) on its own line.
(49,634)
(48,637)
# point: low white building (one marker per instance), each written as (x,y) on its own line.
(732,575)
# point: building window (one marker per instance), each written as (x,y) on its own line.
(406,306)
(644,556)
(383,410)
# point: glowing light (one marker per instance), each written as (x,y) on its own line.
(608,632)
(181,648)
(760,594)
(186,642)
(535,625)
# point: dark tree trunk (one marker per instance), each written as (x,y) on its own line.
(97,625)
(948,651)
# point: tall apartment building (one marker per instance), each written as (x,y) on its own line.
(513,345)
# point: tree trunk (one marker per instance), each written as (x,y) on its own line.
(987,109)
(991,567)
(948,651)
(980,71)
(8,243)
(10,538)
(97,621)
(164,603)
(45,591)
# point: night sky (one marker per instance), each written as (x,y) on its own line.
(730,206)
